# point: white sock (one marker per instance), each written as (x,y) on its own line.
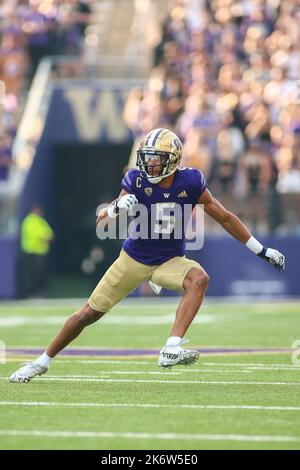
(174,341)
(43,360)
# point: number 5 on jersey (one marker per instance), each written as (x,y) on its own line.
(164,221)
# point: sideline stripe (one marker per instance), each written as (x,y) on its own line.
(143,352)
(144,435)
(150,405)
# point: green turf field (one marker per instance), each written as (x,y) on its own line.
(122,400)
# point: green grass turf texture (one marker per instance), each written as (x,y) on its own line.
(111,381)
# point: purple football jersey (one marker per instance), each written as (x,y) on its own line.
(160,234)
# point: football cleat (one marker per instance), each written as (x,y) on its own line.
(177,356)
(26,373)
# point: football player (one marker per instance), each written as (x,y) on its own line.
(158,181)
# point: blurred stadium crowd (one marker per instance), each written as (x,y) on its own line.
(224,78)
(29,31)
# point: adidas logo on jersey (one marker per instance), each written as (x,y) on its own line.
(182,194)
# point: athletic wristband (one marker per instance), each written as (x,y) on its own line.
(262,254)
(254,245)
(112,211)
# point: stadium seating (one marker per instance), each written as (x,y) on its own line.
(224,78)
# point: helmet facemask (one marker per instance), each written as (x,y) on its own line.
(149,170)
(165,147)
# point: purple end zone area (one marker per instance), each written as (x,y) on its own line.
(142,352)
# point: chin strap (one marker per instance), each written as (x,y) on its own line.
(155,180)
(159,178)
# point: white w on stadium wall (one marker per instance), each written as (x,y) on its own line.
(165,220)
(98,112)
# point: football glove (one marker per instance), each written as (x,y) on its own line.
(125,203)
(273,257)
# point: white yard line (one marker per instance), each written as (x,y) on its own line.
(144,435)
(200,370)
(255,369)
(162,319)
(243,367)
(89,361)
(251,364)
(227,370)
(148,405)
(83,378)
(101,374)
(178,372)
